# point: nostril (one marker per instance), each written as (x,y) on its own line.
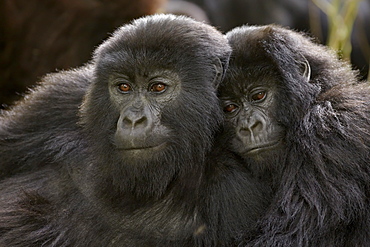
(244,132)
(139,121)
(126,122)
(257,126)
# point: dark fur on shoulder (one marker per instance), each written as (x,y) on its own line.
(321,178)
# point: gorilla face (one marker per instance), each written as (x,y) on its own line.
(141,100)
(249,102)
(258,96)
(154,104)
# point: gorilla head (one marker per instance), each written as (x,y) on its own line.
(275,80)
(152,109)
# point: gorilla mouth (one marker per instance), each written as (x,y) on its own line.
(144,148)
(263,147)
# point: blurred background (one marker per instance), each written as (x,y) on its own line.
(42,36)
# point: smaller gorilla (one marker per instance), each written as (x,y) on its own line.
(301,121)
(118,152)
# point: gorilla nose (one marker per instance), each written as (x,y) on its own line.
(250,129)
(133,122)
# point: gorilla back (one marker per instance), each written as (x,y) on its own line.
(118,153)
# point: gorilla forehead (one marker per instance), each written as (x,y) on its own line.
(164,42)
(167,34)
(248,43)
(241,78)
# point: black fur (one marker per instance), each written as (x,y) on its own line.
(65,184)
(321,176)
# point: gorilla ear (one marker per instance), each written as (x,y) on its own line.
(217,64)
(306,69)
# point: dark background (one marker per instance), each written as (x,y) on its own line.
(42,36)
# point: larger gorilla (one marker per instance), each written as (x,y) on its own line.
(133,165)
(301,121)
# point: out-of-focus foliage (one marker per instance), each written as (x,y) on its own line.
(341,17)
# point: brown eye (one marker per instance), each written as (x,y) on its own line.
(158,87)
(258,96)
(124,87)
(230,108)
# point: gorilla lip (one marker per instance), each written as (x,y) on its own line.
(139,148)
(263,146)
